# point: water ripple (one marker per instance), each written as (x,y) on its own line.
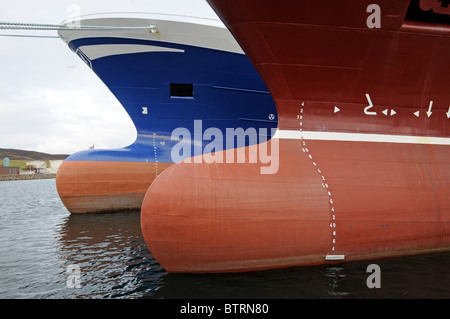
(39,239)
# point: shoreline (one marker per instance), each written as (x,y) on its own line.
(26,177)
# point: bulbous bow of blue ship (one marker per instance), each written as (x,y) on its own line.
(171,74)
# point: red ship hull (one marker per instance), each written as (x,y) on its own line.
(365,202)
(97,187)
(364,146)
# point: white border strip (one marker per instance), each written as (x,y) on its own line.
(149,15)
(96,51)
(334,257)
(360,137)
(202,33)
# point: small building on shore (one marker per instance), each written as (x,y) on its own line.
(38,167)
(9,170)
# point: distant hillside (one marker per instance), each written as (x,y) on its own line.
(13,154)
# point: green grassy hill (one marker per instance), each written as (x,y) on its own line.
(19,158)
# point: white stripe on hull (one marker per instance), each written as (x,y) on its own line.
(101,50)
(361,137)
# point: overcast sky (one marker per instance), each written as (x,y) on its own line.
(50,101)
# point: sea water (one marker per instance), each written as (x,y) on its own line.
(47,253)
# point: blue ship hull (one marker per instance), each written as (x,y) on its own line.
(165,87)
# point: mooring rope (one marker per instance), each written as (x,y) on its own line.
(70,26)
(56,27)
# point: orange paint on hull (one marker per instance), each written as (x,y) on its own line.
(93,187)
(363,203)
(364,170)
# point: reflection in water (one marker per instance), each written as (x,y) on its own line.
(116,263)
(421,276)
(337,278)
(39,239)
(293,283)
(111,253)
